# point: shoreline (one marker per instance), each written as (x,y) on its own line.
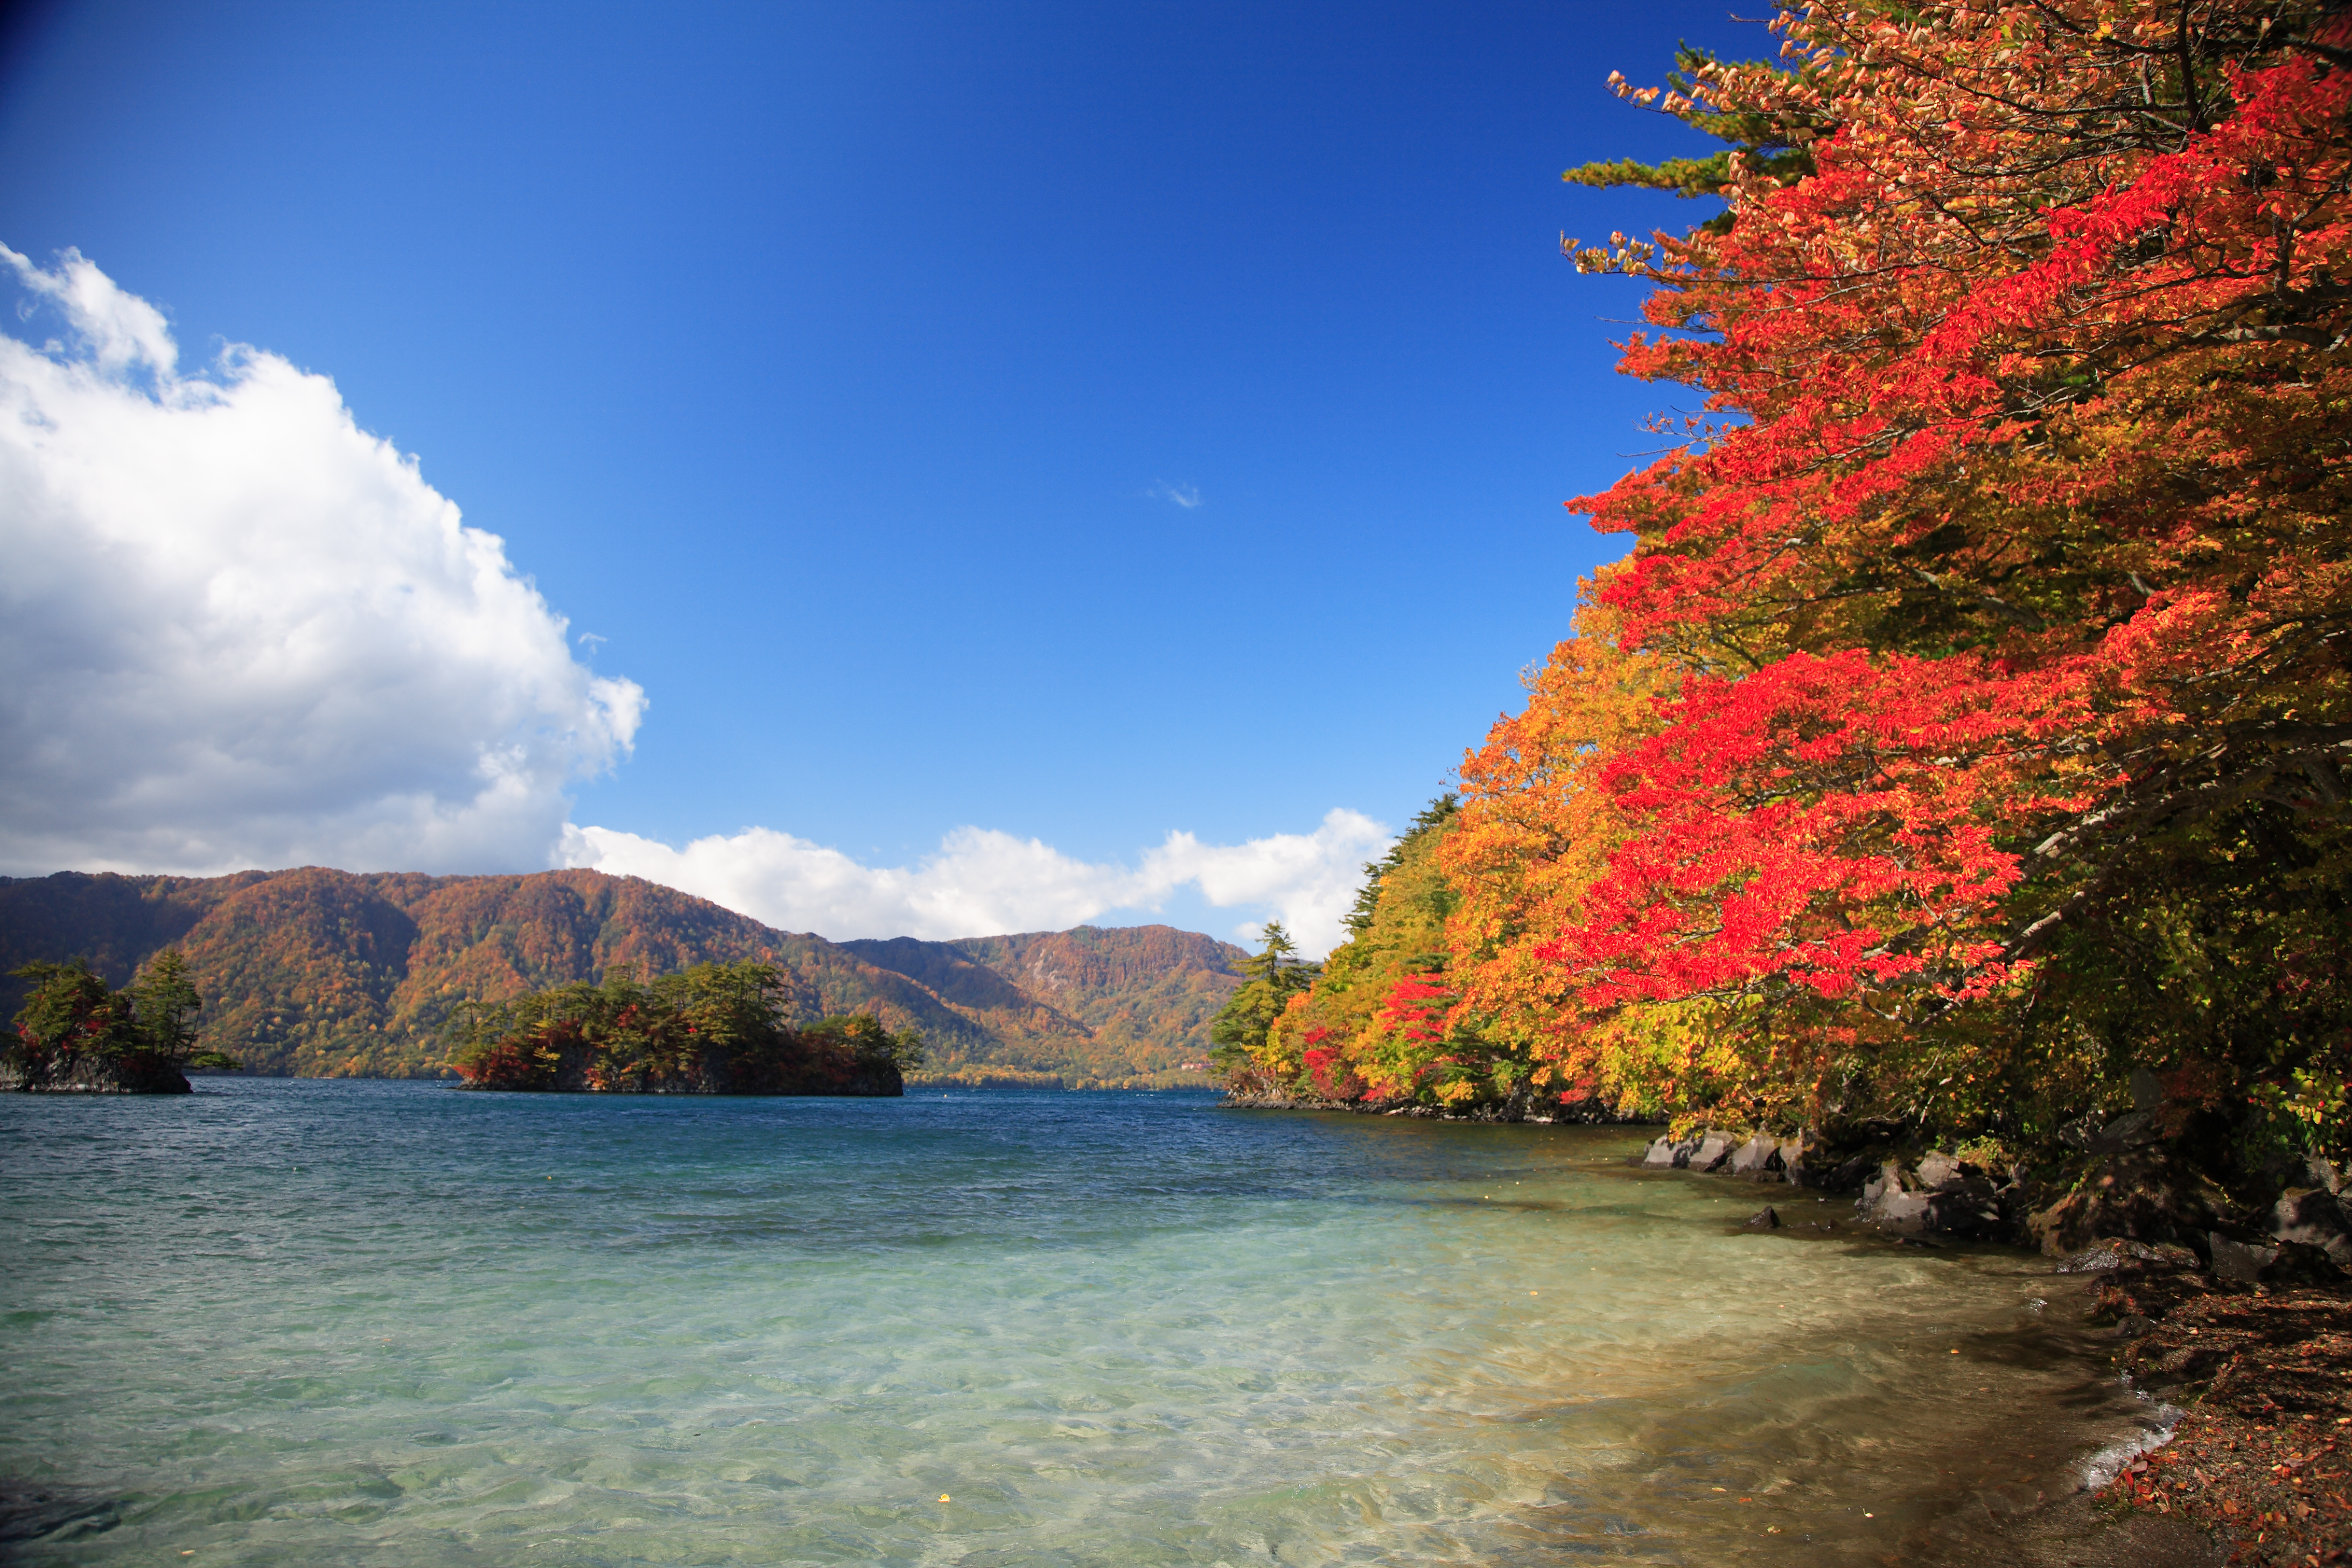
(2250,1458)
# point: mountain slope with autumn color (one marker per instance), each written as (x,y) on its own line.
(317,973)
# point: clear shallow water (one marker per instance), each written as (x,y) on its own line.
(308,1322)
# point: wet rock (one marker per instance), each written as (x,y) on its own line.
(1758,1159)
(2117,1255)
(2132,1326)
(1713,1150)
(1765,1218)
(1667,1154)
(2313,1216)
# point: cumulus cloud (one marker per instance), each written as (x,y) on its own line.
(983,882)
(238,630)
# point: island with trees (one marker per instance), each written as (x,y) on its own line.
(77,1035)
(710,1028)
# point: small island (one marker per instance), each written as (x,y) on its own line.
(712,1028)
(77,1035)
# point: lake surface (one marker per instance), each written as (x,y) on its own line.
(308,1323)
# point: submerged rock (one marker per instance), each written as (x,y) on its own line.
(1765,1218)
(53,1513)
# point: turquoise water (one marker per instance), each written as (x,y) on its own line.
(308,1323)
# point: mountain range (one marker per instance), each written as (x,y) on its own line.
(315,972)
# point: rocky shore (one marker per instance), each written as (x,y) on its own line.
(2234,1306)
(1519,1108)
(2237,1313)
(2287,1226)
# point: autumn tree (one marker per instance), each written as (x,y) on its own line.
(1241,1030)
(1999,594)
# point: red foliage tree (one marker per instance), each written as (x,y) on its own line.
(2007,570)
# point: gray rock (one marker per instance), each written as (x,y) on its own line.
(2146,1090)
(1713,1150)
(1942,1173)
(1765,1218)
(2134,1129)
(1758,1159)
(2313,1216)
(2319,1173)
(1661,1157)
(1968,1209)
(2237,1262)
(1899,1213)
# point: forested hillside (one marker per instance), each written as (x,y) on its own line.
(1963,740)
(1139,998)
(317,973)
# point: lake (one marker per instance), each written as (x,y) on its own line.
(307,1322)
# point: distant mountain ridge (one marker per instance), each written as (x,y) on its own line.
(317,973)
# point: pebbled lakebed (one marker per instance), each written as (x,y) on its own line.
(303,1321)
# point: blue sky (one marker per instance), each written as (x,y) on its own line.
(1078,423)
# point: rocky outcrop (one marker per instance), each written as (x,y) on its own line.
(1935,1194)
(1942,1195)
(132,1073)
(2133,1192)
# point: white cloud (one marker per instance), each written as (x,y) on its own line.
(1186,496)
(983,882)
(238,630)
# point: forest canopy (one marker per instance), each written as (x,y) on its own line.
(1966,728)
